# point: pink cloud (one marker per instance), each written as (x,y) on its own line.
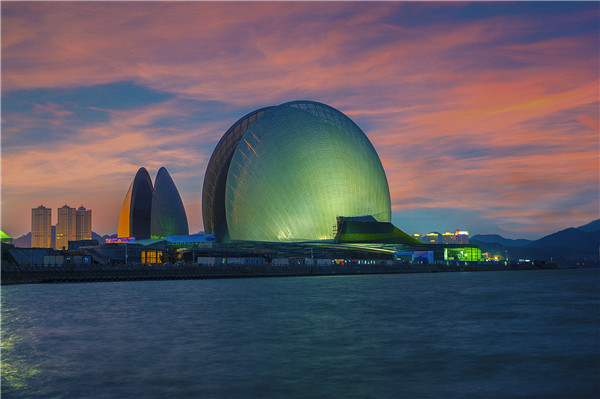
(462,114)
(96,166)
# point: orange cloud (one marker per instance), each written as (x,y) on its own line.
(498,115)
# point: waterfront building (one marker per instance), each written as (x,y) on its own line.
(286,173)
(136,211)
(83,224)
(461,237)
(168,215)
(41,227)
(448,238)
(470,253)
(66,226)
(152,211)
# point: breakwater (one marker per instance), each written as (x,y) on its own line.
(41,275)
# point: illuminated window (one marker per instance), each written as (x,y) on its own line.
(152,256)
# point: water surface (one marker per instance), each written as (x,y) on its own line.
(515,334)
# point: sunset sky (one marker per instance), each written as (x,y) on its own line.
(485,115)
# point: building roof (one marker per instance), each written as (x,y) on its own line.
(31,256)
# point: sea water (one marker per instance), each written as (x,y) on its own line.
(510,334)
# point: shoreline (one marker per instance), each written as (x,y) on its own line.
(15,275)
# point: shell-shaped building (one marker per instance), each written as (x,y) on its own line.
(152,212)
(137,208)
(168,213)
(285,173)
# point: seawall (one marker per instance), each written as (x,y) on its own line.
(38,275)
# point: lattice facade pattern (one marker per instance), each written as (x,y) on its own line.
(294,170)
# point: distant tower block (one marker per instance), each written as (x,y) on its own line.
(448,238)
(83,228)
(432,238)
(461,237)
(66,226)
(41,227)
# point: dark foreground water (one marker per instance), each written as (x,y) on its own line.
(519,334)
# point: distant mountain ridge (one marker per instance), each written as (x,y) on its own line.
(570,240)
(495,238)
(566,245)
(25,240)
(591,226)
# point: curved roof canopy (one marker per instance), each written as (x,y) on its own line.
(295,168)
(168,214)
(134,220)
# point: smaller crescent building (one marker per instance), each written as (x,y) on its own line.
(137,207)
(168,214)
(152,211)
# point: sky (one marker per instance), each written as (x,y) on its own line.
(485,115)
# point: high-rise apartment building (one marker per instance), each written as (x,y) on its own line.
(66,227)
(461,237)
(448,238)
(41,227)
(83,224)
(432,238)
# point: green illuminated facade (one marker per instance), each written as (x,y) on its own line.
(364,231)
(168,213)
(470,253)
(294,169)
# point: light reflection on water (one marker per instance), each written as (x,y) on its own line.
(487,334)
(16,347)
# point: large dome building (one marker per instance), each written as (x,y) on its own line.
(288,172)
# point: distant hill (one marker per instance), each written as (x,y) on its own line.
(563,246)
(495,238)
(23,241)
(591,226)
(573,241)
